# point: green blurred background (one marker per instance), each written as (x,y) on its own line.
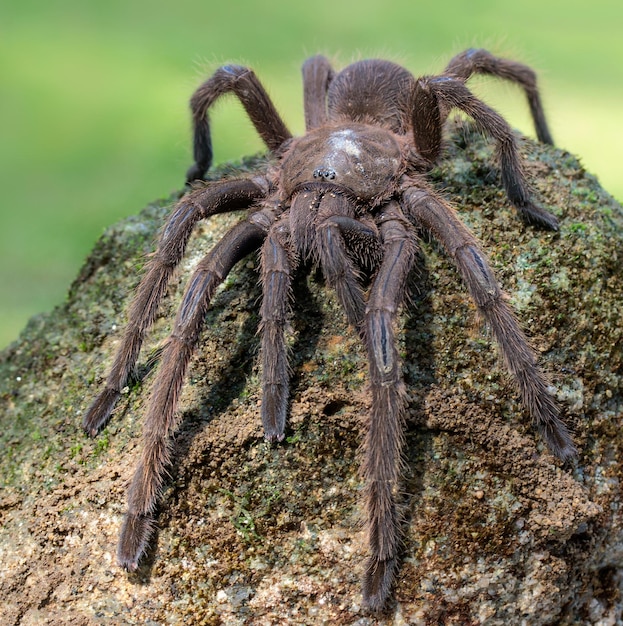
(93,99)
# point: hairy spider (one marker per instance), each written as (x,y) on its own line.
(349,195)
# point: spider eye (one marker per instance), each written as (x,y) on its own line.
(325,173)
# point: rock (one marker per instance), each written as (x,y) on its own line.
(496,530)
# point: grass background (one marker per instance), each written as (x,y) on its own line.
(93,99)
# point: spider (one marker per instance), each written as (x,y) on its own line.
(351,197)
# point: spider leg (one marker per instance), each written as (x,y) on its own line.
(277,267)
(384,437)
(443,222)
(446,93)
(215,198)
(317,74)
(478,61)
(242,82)
(161,419)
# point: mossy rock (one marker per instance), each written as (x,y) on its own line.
(496,530)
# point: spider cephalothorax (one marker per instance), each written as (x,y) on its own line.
(350,196)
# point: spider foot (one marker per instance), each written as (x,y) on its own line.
(537,216)
(274,437)
(99,412)
(135,534)
(377,583)
(558,439)
(195,172)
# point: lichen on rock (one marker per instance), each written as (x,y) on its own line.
(496,530)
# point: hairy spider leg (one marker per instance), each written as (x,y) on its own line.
(242,82)
(427,122)
(277,267)
(384,440)
(161,418)
(449,93)
(317,75)
(199,204)
(478,61)
(442,221)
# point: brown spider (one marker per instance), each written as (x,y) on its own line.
(350,195)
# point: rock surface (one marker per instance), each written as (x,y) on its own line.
(497,531)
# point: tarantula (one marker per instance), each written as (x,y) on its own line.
(350,196)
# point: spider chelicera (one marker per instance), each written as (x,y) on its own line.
(349,196)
